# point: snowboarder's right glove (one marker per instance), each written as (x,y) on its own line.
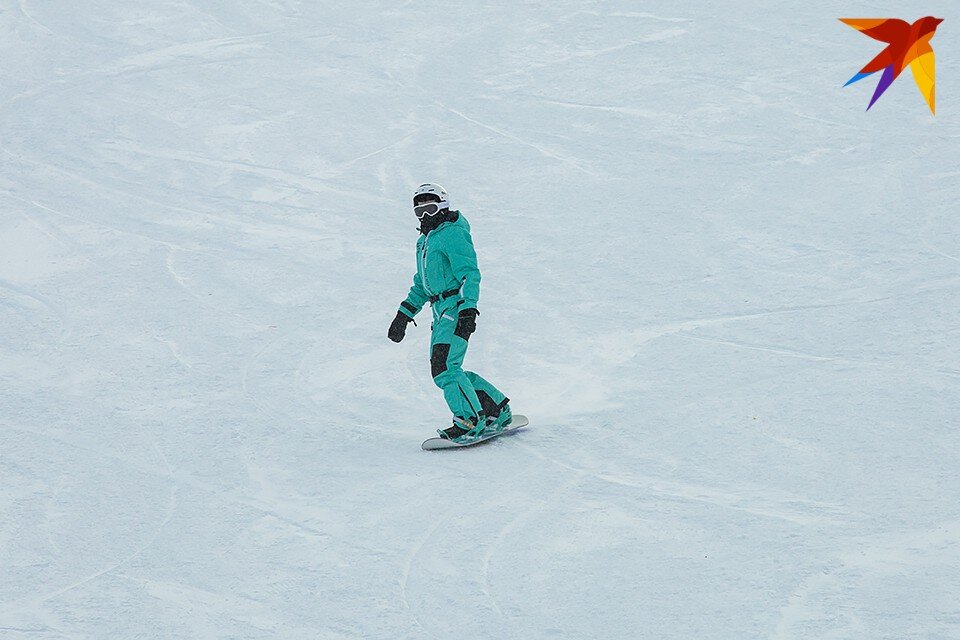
(399,326)
(466,323)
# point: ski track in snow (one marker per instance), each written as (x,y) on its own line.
(592,53)
(37,600)
(856,567)
(171,507)
(180,477)
(723,294)
(23,9)
(546,152)
(508,528)
(409,560)
(726,497)
(52,308)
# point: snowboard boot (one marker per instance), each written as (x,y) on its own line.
(464,430)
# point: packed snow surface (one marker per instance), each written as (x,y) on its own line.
(725,295)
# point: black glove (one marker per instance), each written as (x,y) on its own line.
(399,326)
(466,323)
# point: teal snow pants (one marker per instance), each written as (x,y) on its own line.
(467,394)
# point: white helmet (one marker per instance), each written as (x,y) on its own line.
(430,188)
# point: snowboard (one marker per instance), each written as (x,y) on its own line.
(518,422)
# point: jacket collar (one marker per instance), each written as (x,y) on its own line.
(451,218)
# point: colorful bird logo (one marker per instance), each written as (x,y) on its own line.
(907,44)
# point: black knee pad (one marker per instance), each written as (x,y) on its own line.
(438,359)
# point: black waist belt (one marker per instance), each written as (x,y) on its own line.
(444,295)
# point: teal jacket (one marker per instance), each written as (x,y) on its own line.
(446,260)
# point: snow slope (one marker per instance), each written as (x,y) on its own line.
(725,296)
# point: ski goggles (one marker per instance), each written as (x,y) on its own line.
(429,208)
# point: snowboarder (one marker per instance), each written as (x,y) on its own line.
(448,277)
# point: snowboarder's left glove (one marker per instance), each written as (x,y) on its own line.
(466,322)
(399,326)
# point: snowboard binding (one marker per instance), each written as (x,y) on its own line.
(464,430)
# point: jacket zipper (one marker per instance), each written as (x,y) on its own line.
(423,268)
